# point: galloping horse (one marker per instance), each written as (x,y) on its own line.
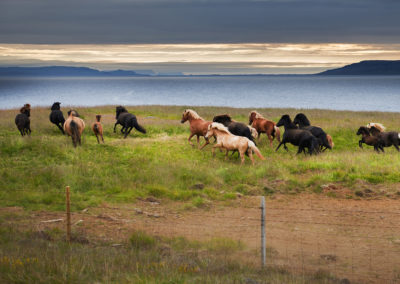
(56,116)
(23,121)
(198,126)
(325,140)
(234,127)
(127,120)
(386,139)
(74,127)
(263,125)
(228,141)
(368,139)
(298,137)
(98,129)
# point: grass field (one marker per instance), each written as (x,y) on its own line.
(35,170)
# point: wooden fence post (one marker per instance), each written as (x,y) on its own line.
(68,206)
(263,247)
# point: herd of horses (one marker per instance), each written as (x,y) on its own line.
(229,135)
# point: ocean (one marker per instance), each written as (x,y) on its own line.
(357,93)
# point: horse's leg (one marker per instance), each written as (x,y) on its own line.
(127,131)
(285,147)
(59,127)
(115,126)
(279,146)
(207,142)
(250,153)
(97,136)
(241,157)
(270,138)
(198,141)
(226,154)
(189,139)
(101,135)
(360,142)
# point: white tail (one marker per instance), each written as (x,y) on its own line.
(255,149)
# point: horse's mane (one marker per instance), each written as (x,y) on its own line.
(303,118)
(257,115)
(73,113)
(378,126)
(56,106)
(193,114)
(219,126)
(121,109)
(364,128)
(253,131)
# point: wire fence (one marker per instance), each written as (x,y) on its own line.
(344,241)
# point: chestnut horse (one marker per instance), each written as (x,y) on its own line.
(226,140)
(263,125)
(98,129)
(74,127)
(198,126)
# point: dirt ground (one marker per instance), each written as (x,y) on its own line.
(354,239)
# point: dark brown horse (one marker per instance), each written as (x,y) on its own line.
(198,126)
(263,125)
(23,121)
(386,139)
(368,139)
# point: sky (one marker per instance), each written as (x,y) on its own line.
(199,36)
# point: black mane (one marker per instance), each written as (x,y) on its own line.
(302,120)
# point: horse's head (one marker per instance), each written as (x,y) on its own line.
(73,113)
(223,118)
(98,117)
(56,106)
(285,120)
(119,110)
(252,117)
(26,110)
(301,119)
(185,116)
(210,131)
(363,131)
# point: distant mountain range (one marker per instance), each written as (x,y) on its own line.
(368,67)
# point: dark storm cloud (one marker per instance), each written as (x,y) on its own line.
(185,21)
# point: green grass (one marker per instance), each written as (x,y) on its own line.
(35,170)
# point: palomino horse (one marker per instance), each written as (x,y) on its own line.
(263,125)
(198,126)
(74,127)
(98,129)
(228,141)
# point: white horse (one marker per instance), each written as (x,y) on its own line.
(228,141)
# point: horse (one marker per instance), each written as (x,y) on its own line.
(98,129)
(198,126)
(74,127)
(127,120)
(386,139)
(263,125)
(23,121)
(368,139)
(324,139)
(298,137)
(236,128)
(57,117)
(228,141)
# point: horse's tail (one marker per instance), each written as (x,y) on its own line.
(74,132)
(253,147)
(277,133)
(330,141)
(138,127)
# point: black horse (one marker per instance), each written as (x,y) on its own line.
(127,120)
(369,139)
(236,128)
(57,117)
(23,121)
(386,139)
(298,137)
(303,122)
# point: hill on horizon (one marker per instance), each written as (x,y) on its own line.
(367,67)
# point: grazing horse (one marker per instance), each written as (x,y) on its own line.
(386,139)
(57,117)
(298,137)
(325,140)
(226,140)
(98,129)
(236,128)
(127,120)
(368,139)
(198,126)
(23,121)
(74,127)
(263,125)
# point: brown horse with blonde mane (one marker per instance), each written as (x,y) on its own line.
(263,125)
(198,126)
(74,127)
(226,140)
